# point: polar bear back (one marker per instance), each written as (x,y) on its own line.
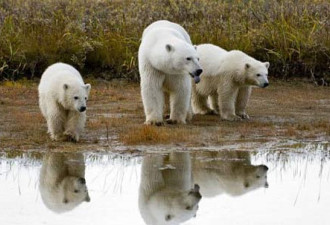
(56,75)
(210,55)
(164,24)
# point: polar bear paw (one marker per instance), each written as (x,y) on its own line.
(175,121)
(231,118)
(212,112)
(56,137)
(244,116)
(172,122)
(154,123)
(71,136)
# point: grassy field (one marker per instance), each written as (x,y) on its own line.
(293,110)
(101,38)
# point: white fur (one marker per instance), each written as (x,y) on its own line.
(164,67)
(227,172)
(167,194)
(61,182)
(58,87)
(226,80)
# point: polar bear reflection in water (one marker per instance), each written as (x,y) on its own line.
(167,193)
(62,181)
(228,172)
(172,185)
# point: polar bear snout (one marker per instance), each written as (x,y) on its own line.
(82,180)
(265,168)
(82,109)
(198,72)
(195,192)
(266,185)
(265,85)
(195,75)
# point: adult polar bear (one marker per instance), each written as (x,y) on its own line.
(62,101)
(227,172)
(167,194)
(166,59)
(227,79)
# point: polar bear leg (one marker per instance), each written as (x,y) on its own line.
(227,97)
(199,102)
(55,121)
(75,125)
(214,103)
(189,114)
(180,95)
(153,98)
(43,105)
(242,100)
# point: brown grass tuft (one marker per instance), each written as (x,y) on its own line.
(162,135)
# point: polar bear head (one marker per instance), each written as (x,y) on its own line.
(254,177)
(177,57)
(244,179)
(74,190)
(256,73)
(173,207)
(75,96)
(70,193)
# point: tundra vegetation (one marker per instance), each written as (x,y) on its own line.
(101,37)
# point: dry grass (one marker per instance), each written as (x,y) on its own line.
(115,118)
(158,135)
(103,36)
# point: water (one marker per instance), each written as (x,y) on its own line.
(286,183)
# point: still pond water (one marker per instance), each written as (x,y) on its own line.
(286,184)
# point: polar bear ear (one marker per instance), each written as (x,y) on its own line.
(247,66)
(267,64)
(88,87)
(169,47)
(65,86)
(87,199)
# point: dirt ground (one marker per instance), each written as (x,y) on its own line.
(284,110)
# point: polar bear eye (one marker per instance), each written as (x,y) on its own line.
(198,59)
(76,191)
(188,58)
(258,176)
(188,208)
(76,97)
(258,75)
(86,98)
(168,217)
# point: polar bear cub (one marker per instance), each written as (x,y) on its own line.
(62,100)
(167,59)
(62,181)
(227,79)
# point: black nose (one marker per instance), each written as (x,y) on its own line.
(265,168)
(82,108)
(197,195)
(266,84)
(266,185)
(198,72)
(82,180)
